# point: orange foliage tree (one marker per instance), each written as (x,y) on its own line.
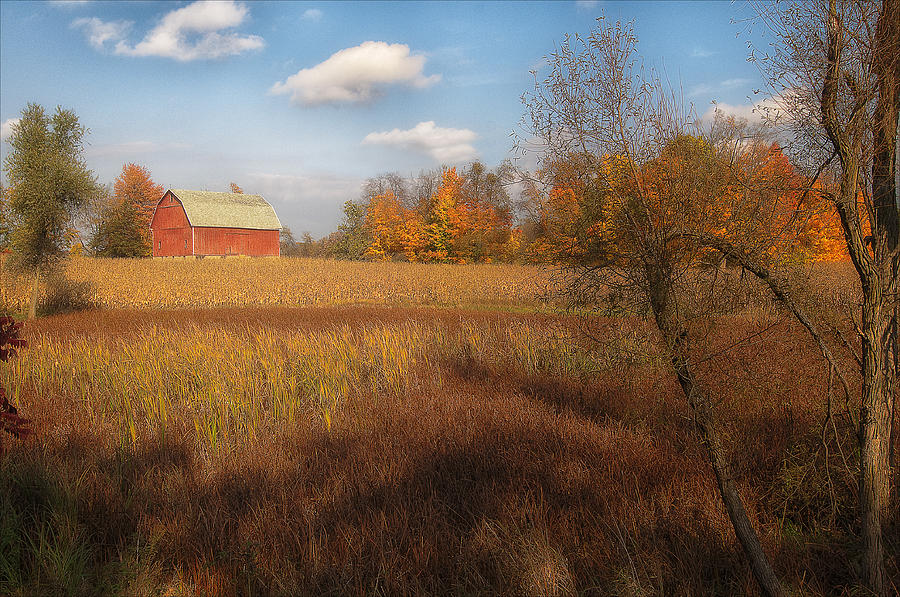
(441,221)
(136,188)
(464,220)
(577,214)
(383,222)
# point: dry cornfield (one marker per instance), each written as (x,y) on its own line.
(240,282)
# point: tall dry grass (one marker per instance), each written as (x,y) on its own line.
(400,451)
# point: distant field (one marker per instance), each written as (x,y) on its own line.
(239,282)
(251,282)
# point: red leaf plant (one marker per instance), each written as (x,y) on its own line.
(10,343)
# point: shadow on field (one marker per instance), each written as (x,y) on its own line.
(440,495)
(478,480)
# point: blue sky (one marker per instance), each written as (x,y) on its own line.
(301,102)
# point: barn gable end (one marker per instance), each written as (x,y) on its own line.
(170,230)
(205,223)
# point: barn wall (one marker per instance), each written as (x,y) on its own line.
(171,232)
(236,241)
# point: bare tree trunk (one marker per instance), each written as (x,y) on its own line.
(676,338)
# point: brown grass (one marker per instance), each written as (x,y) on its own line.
(490,468)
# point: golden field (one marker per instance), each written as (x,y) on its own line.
(240,282)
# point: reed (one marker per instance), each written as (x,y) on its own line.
(227,385)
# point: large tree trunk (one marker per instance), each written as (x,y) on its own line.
(676,338)
(879,302)
(875,425)
(875,259)
(884,194)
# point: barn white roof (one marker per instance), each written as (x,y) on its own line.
(227,210)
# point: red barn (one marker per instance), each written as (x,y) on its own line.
(207,223)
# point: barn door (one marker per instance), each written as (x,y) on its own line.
(236,243)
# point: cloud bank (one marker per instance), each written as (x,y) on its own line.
(197,31)
(305,203)
(445,145)
(99,32)
(356,74)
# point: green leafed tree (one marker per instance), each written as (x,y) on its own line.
(48,181)
(119,232)
(352,238)
(5,223)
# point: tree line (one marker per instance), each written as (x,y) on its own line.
(448,215)
(466,214)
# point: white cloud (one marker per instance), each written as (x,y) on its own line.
(99,32)
(732,83)
(702,89)
(768,109)
(194,32)
(699,52)
(706,88)
(69,3)
(443,144)
(356,74)
(6,128)
(312,14)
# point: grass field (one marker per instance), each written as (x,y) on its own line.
(376,445)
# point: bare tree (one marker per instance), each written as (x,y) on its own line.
(651,194)
(835,71)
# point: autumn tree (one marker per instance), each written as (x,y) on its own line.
(457,216)
(119,231)
(236,189)
(48,181)
(656,187)
(122,227)
(389,182)
(384,220)
(835,70)
(483,214)
(440,224)
(135,187)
